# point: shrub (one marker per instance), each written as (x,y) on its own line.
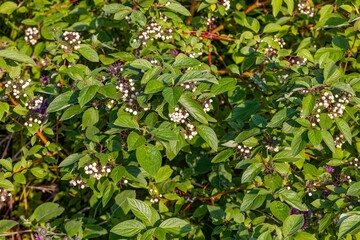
(187,120)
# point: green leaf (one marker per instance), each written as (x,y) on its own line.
(273,181)
(134,141)
(71,159)
(153,73)
(299,142)
(126,120)
(88,52)
(149,158)
(276,5)
(107,195)
(194,109)
(223,156)
(209,135)
(308,104)
(60,102)
(172,95)
(19,178)
(16,56)
(73,227)
(121,200)
(113,8)
(128,228)
(165,134)
(163,174)
(225,85)
(175,226)
(325,222)
(6,184)
(90,118)
(178,8)
(286,156)
(252,200)
(344,129)
(8,7)
(350,225)
(251,172)
(354,189)
(280,210)
(153,86)
(293,199)
(290,5)
(71,112)
(46,212)
(142,64)
(293,224)
(138,17)
(141,210)
(331,73)
(328,139)
(315,136)
(198,76)
(87,94)
(6,225)
(280,117)
(272,27)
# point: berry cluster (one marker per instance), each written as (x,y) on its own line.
(31,35)
(96,170)
(190,86)
(72,41)
(304,8)
(298,61)
(334,105)
(4,195)
(45,80)
(270,143)
(114,69)
(209,21)
(153,31)
(16,86)
(38,106)
(339,140)
(354,163)
(243,151)
(270,54)
(282,77)
(179,116)
(207,104)
(77,183)
(129,94)
(190,131)
(195,54)
(225,3)
(280,41)
(155,197)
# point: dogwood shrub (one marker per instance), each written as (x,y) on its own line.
(168,119)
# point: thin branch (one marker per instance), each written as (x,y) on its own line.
(15,233)
(193,7)
(7,146)
(256,5)
(350,53)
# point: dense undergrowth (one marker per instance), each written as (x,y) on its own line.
(209,119)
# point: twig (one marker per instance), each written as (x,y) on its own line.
(20,151)
(256,5)
(192,11)
(14,233)
(7,146)
(350,53)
